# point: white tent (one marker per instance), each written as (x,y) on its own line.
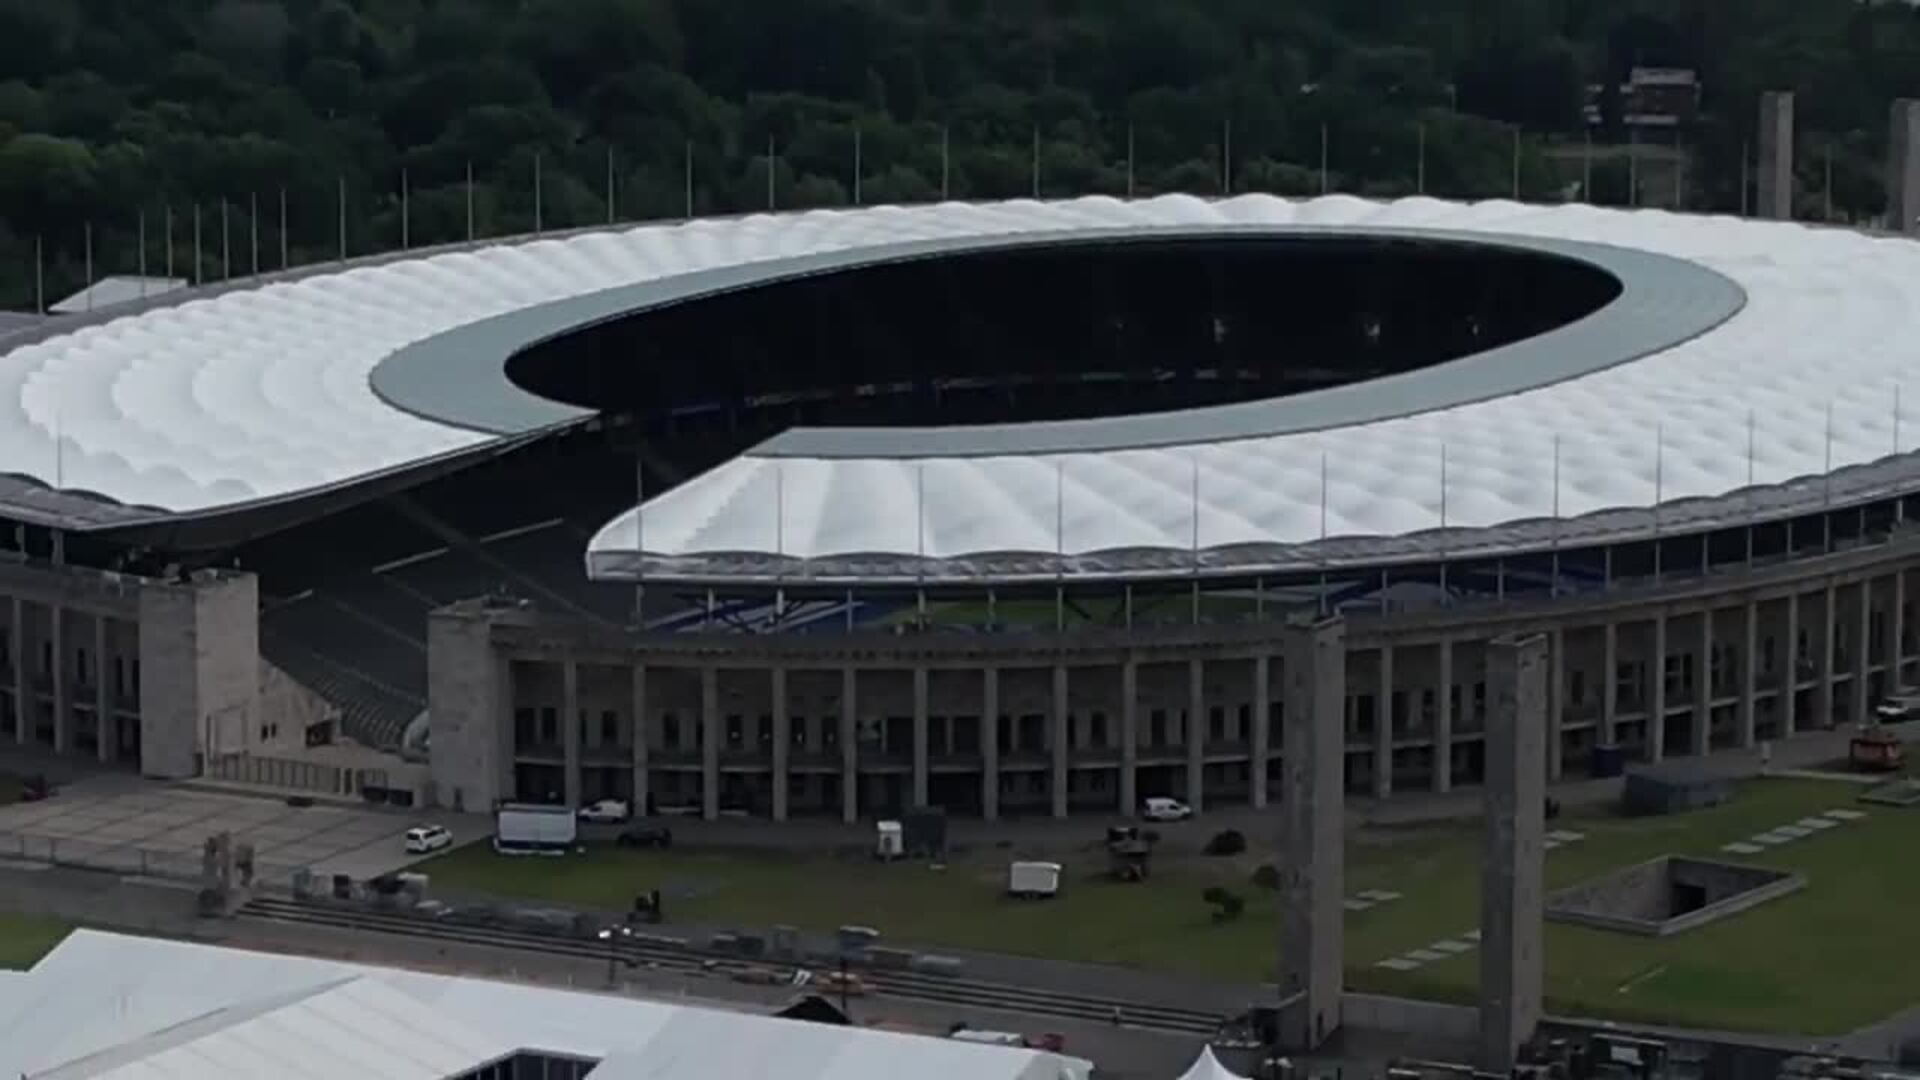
(1208,1067)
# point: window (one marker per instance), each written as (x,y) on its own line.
(524,726)
(1157,728)
(1097,729)
(609,727)
(766,730)
(549,725)
(80,666)
(797,731)
(670,730)
(736,732)
(1216,723)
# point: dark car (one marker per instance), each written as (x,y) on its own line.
(646,835)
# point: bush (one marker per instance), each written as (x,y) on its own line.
(1266,876)
(1228,842)
(1227,904)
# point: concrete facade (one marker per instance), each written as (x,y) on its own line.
(147,674)
(1512,957)
(1312,833)
(1903,167)
(1775,179)
(1094,720)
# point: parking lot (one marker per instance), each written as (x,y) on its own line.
(142,827)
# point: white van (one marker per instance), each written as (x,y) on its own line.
(426,839)
(1161,808)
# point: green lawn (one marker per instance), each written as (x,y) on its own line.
(1829,958)
(24,939)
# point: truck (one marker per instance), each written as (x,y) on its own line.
(1033,880)
(526,829)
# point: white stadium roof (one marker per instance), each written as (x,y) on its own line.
(111,1007)
(277,391)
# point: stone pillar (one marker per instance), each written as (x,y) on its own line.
(570,730)
(1823,695)
(1312,832)
(1657,709)
(105,730)
(849,748)
(1702,741)
(1863,638)
(1903,167)
(1511,894)
(920,748)
(1749,665)
(1443,722)
(1896,629)
(1610,686)
(782,741)
(1129,737)
(23,704)
(62,720)
(1790,692)
(1196,735)
(642,732)
(1383,728)
(1775,180)
(990,744)
(1556,696)
(710,743)
(1062,721)
(1258,738)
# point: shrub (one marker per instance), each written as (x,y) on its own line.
(1266,876)
(1227,904)
(1227,842)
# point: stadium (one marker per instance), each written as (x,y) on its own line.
(999,508)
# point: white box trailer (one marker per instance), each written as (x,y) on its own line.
(1033,880)
(524,829)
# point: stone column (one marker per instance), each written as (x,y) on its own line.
(710,743)
(1312,831)
(1383,728)
(1610,686)
(1443,722)
(920,748)
(1823,695)
(1062,721)
(1896,629)
(1903,167)
(1258,738)
(1749,663)
(105,730)
(62,720)
(1790,692)
(570,730)
(1511,894)
(849,748)
(1862,650)
(1129,737)
(1776,156)
(782,741)
(990,744)
(1556,707)
(1702,741)
(23,704)
(1196,736)
(1657,709)
(642,732)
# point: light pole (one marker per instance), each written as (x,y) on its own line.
(611,937)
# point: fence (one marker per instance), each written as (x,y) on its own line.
(175,865)
(294,774)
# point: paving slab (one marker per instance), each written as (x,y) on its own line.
(1793,831)
(1471,935)
(1379,896)
(1817,823)
(1426,956)
(1741,847)
(1354,903)
(1550,845)
(1396,963)
(1451,947)
(1566,836)
(1846,815)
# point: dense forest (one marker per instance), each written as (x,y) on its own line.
(120,118)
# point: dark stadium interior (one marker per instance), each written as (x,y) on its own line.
(1060,331)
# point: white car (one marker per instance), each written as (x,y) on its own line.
(425,839)
(1160,808)
(605,812)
